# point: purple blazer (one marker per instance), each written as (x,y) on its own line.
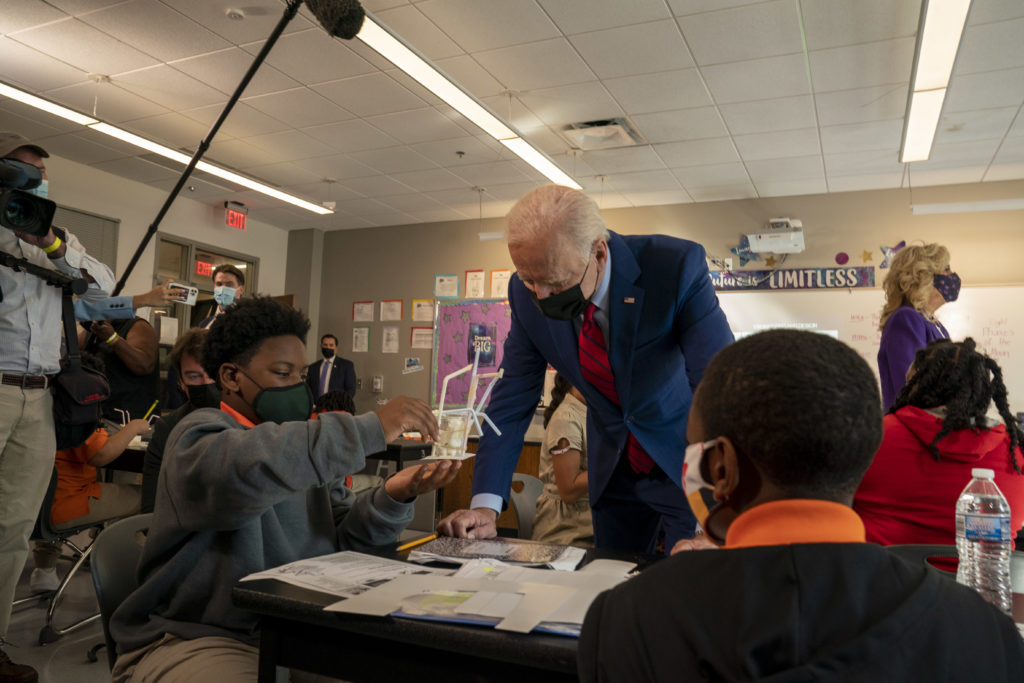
(904,333)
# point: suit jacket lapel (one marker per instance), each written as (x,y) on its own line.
(625,302)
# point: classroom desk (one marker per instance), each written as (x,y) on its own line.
(402,451)
(297,633)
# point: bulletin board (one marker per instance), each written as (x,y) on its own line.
(460,325)
(988,314)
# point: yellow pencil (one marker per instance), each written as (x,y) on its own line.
(150,411)
(418,542)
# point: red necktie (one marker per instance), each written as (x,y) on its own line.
(597,370)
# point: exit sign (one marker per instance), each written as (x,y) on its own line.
(235,214)
(203,268)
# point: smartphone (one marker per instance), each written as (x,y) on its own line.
(191,293)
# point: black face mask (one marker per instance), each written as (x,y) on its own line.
(566,305)
(327,353)
(204,395)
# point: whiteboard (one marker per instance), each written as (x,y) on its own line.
(992,315)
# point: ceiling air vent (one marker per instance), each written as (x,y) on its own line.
(603,134)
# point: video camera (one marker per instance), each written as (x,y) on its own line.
(22,211)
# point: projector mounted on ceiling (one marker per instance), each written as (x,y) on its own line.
(603,134)
(782,236)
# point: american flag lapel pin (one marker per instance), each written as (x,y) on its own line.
(629,300)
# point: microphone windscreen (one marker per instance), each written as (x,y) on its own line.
(341,18)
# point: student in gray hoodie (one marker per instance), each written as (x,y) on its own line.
(253,485)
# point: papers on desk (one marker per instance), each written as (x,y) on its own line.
(509,550)
(487,592)
(344,574)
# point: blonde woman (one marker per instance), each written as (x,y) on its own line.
(918,283)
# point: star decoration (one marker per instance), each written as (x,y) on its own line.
(866,256)
(484,308)
(770,261)
(889,252)
(465,316)
(447,317)
(447,358)
(457,337)
(743,251)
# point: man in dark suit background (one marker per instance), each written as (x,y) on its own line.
(631,321)
(333,373)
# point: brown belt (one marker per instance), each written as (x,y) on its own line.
(26,381)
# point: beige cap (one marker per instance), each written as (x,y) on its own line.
(9,142)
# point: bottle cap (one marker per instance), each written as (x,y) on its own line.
(982,473)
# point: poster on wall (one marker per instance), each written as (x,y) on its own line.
(391,309)
(475,284)
(499,283)
(362,311)
(389,339)
(793,278)
(422,310)
(360,339)
(421,338)
(459,324)
(446,286)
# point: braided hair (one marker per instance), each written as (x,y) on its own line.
(558,392)
(965,381)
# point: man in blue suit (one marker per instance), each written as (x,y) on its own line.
(333,373)
(646,316)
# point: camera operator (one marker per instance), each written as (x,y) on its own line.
(30,337)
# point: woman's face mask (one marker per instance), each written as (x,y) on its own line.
(948,285)
(282,404)
(224,296)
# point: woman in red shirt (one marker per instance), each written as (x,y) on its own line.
(935,433)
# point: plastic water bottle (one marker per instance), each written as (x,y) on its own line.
(983,540)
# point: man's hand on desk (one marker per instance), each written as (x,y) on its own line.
(475,523)
(405,414)
(410,482)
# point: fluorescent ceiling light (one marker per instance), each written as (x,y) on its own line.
(969,207)
(922,120)
(156,148)
(45,105)
(539,161)
(426,74)
(941,26)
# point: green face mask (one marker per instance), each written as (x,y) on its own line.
(282,404)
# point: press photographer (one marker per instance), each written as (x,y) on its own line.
(30,337)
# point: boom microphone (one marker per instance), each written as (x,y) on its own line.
(340,18)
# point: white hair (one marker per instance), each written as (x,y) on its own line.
(556,211)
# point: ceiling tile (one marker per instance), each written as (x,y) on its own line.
(363,206)
(412,203)
(242,122)
(948,176)
(289,145)
(442,215)
(509,191)
(351,136)
(417,125)
(759,79)
(322,191)
(393,160)
(862,105)
(283,174)
(571,103)
(974,125)
(378,186)
(111,101)
(446,152)
(682,124)
(87,147)
(430,180)
(420,32)
(468,73)
(169,87)
(863,163)
(491,173)
(697,152)
(370,95)
(764,116)
(155,29)
(137,169)
(529,67)
(790,143)
(25,67)
(645,181)
(26,120)
(464,199)
(634,49)
(613,161)
(860,66)
(659,91)
(580,16)
(256,26)
(238,154)
(876,181)
(985,90)
(786,169)
(575,166)
(966,154)
(1017,130)
(791,188)
(658,197)
(312,56)
(479,26)
(171,129)
(299,108)
(988,47)
(412,85)
(995,10)
(1009,161)
(852,137)
(713,175)
(835,23)
(195,189)
(18,16)
(75,42)
(723,192)
(224,70)
(769,29)
(512,109)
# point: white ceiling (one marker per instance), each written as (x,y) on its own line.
(735,99)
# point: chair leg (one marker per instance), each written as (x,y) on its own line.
(93,653)
(49,633)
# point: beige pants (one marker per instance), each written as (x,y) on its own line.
(173,660)
(27,448)
(115,501)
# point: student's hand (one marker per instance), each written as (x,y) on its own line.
(410,482)
(137,427)
(405,414)
(700,542)
(475,523)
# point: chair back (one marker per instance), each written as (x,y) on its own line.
(115,561)
(524,501)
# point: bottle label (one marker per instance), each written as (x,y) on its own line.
(987,528)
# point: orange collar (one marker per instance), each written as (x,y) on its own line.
(785,522)
(239,418)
